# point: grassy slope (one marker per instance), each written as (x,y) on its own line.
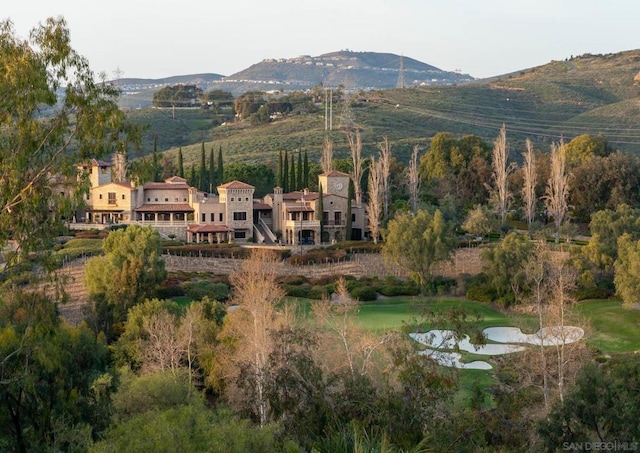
(584,95)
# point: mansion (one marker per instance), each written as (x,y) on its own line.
(232,214)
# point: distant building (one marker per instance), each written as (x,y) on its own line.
(233,214)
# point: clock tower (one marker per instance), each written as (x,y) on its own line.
(335,182)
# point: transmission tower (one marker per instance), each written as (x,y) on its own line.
(401,83)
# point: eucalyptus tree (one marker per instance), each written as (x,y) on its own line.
(54,114)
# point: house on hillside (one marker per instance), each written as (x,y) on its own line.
(233,214)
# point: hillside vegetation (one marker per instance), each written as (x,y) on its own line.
(583,95)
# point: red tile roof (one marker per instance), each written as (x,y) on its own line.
(236,185)
(334,173)
(170,207)
(166,185)
(298,195)
(262,207)
(209,229)
(299,208)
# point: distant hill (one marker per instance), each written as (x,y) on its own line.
(588,94)
(352,70)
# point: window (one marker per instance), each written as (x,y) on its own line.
(100,196)
(148,199)
(246,199)
(213,217)
(221,217)
(231,199)
(353,217)
(325,216)
(240,216)
(184,199)
(166,200)
(337,217)
(112,197)
(123,196)
(156,199)
(204,217)
(240,234)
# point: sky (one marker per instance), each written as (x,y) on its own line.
(482,38)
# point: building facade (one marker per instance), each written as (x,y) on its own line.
(233,214)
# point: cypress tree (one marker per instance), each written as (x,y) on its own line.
(279,172)
(156,164)
(292,175)
(285,174)
(203,185)
(320,212)
(212,171)
(193,179)
(299,184)
(306,170)
(347,234)
(220,167)
(180,164)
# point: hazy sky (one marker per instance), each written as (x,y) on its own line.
(480,37)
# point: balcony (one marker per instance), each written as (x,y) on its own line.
(305,224)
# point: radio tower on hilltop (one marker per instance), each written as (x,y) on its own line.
(401,83)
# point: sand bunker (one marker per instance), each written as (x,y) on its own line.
(547,336)
(435,340)
(452,359)
(444,339)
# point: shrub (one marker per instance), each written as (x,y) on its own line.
(294,280)
(443,285)
(298,290)
(364,293)
(168,292)
(319,292)
(481,293)
(198,289)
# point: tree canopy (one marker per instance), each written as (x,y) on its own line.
(130,269)
(418,242)
(53,114)
(177,96)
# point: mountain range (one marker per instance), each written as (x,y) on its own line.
(351,70)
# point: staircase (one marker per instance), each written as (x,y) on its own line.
(266,235)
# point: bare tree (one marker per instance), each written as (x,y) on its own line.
(562,281)
(385,168)
(344,345)
(247,336)
(552,365)
(501,169)
(355,145)
(326,160)
(530,176)
(161,349)
(347,118)
(376,193)
(187,335)
(413,179)
(557,191)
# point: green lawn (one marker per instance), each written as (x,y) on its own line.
(398,311)
(613,328)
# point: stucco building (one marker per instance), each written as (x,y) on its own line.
(233,214)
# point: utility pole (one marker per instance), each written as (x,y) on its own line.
(401,83)
(328,109)
(301,214)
